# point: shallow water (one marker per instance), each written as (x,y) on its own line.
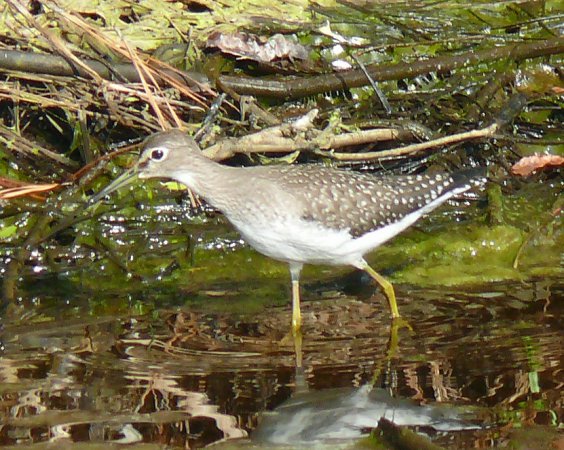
(152,330)
(474,363)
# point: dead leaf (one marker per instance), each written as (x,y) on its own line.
(257,48)
(27,189)
(527,165)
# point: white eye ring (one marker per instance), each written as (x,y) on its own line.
(158,154)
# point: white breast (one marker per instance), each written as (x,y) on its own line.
(302,241)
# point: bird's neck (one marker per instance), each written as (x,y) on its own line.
(210,180)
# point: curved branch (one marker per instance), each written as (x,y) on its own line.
(303,87)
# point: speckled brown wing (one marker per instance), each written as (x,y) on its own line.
(340,199)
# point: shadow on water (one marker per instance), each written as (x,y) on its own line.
(476,367)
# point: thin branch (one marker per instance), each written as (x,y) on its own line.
(413,148)
(304,87)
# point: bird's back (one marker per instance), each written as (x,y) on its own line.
(340,199)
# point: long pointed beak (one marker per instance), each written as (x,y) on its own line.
(124,179)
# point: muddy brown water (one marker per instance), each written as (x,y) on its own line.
(158,332)
(478,364)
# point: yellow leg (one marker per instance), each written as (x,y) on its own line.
(296,312)
(398,322)
(393,345)
(387,287)
(295,269)
(298,348)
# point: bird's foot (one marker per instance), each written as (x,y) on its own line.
(292,335)
(399,322)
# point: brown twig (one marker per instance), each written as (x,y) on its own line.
(413,148)
(301,135)
(142,69)
(55,41)
(19,144)
(303,87)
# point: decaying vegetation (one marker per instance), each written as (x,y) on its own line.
(396,86)
(408,88)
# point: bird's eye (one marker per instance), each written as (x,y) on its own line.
(157,154)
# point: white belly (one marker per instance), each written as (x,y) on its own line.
(306,243)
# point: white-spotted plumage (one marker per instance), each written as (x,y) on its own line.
(303,214)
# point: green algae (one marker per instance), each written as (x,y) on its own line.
(212,270)
(519,239)
(476,253)
(465,255)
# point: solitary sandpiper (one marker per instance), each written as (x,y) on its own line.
(304,214)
